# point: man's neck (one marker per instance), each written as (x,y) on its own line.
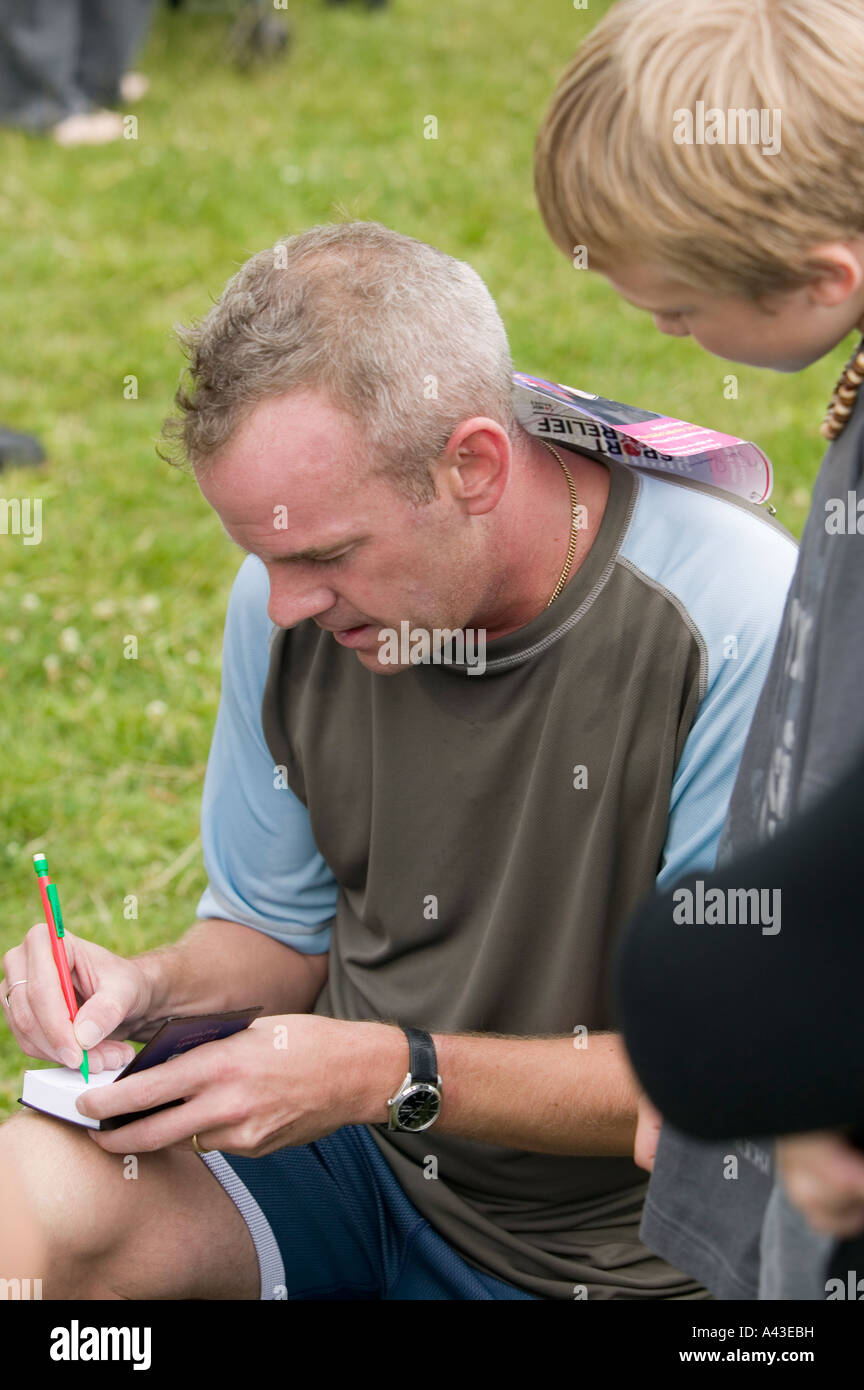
(536,530)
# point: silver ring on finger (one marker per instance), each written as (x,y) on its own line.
(10,989)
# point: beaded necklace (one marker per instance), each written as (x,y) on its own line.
(845,392)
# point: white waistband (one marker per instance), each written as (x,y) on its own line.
(269,1259)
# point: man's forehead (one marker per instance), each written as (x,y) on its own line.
(284,516)
(291,481)
(298,447)
(301,425)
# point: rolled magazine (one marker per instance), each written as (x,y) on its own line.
(641,438)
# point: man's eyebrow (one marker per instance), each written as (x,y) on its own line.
(312,552)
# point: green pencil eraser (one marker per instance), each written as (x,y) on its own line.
(40,860)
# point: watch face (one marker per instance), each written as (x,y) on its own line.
(419,1108)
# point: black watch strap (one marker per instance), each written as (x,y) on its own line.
(423,1063)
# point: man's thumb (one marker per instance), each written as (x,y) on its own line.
(92,1024)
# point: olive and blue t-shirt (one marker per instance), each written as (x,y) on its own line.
(467,846)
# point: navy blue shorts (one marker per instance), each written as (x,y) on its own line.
(330,1221)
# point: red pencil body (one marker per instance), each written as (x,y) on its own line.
(58,950)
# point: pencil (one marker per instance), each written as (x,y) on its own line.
(54,919)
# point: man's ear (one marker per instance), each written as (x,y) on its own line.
(476,464)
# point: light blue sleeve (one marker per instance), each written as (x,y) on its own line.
(262,864)
(728,573)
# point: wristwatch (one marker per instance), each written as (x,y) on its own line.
(417,1103)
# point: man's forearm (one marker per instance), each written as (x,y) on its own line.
(540,1094)
(218,966)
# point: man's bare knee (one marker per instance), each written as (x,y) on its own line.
(22,1248)
(147,1226)
(65,1189)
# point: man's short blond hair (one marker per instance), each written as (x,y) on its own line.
(611,176)
(404,339)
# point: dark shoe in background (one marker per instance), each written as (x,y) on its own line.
(16,449)
(259,37)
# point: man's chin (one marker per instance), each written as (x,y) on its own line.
(372,661)
(366,643)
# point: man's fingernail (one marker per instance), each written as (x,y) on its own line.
(69,1058)
(88,1033)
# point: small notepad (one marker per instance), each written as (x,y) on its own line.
(54,1090)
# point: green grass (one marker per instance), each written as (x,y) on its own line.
(104,250)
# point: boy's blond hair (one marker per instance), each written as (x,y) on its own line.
(611,176)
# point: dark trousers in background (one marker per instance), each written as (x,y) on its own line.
(61,57)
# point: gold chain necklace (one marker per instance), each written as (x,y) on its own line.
(574,524)
(845,392)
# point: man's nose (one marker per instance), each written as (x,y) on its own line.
(293,600)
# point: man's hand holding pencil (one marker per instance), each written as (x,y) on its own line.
(64,1004)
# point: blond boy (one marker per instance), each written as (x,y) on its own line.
(707,157)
